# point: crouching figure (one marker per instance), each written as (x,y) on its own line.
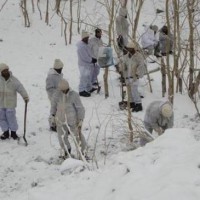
(68,112)
(159,116)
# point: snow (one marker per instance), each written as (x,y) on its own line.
(70,164)
(167,168)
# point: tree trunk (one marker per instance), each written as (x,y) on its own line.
(190,9)
(136,21)
(78,16)
(38,1)
(129,113)
(25,13)
(33,6)
(47,13)
(111,15)
(163,73)
(71,22)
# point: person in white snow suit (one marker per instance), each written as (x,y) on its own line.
(9,87)
(86,63)
(159,116)
(166,41)
(69,115)
(122,27)
(94,43)
(53,78)
(149,40)
(134,67)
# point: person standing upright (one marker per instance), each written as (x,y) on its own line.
(69,115)
(52,80)
(122,26)
(9,87)
(166,41)
(149,40)
(86,63)
(95,42)
(134,68)
(122,30)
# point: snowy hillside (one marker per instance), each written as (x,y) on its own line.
(167,168)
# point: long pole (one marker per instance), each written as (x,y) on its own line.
(25,115)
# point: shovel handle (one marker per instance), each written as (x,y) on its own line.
(25,115)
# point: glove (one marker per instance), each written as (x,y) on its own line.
(94,60)
(159,130)
(52,121)
(26,99)
(79,125)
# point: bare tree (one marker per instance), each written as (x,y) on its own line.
(57,6)
(23,6)
(177,44)
(139,5)
(71,23)
(3,5)
(190,9)
(169,69)
(38,6)
(33,6)
(47,13)
(110,10)
(78,16)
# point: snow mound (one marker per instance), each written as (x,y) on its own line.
(167,168)
(71,164)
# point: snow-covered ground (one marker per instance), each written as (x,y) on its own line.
(167,168)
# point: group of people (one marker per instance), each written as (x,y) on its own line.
(154,44)
(133,63)
(153,41)
(159,114)
(67,111)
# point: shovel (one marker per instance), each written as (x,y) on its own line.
(24,136)
(25,114)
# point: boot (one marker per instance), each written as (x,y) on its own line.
(14,135)
(84,94)
(65,155)
(137,107)
(53,128)
(132,104)
(93,89)
(5,135)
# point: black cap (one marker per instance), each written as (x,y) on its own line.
(98,30)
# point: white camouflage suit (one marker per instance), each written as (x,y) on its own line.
(85,66)
(149,39)
(94,44)
(8,102)
(154,119)
(52,81)
(122,25)
(133,69)
(68,110)
(166,42)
